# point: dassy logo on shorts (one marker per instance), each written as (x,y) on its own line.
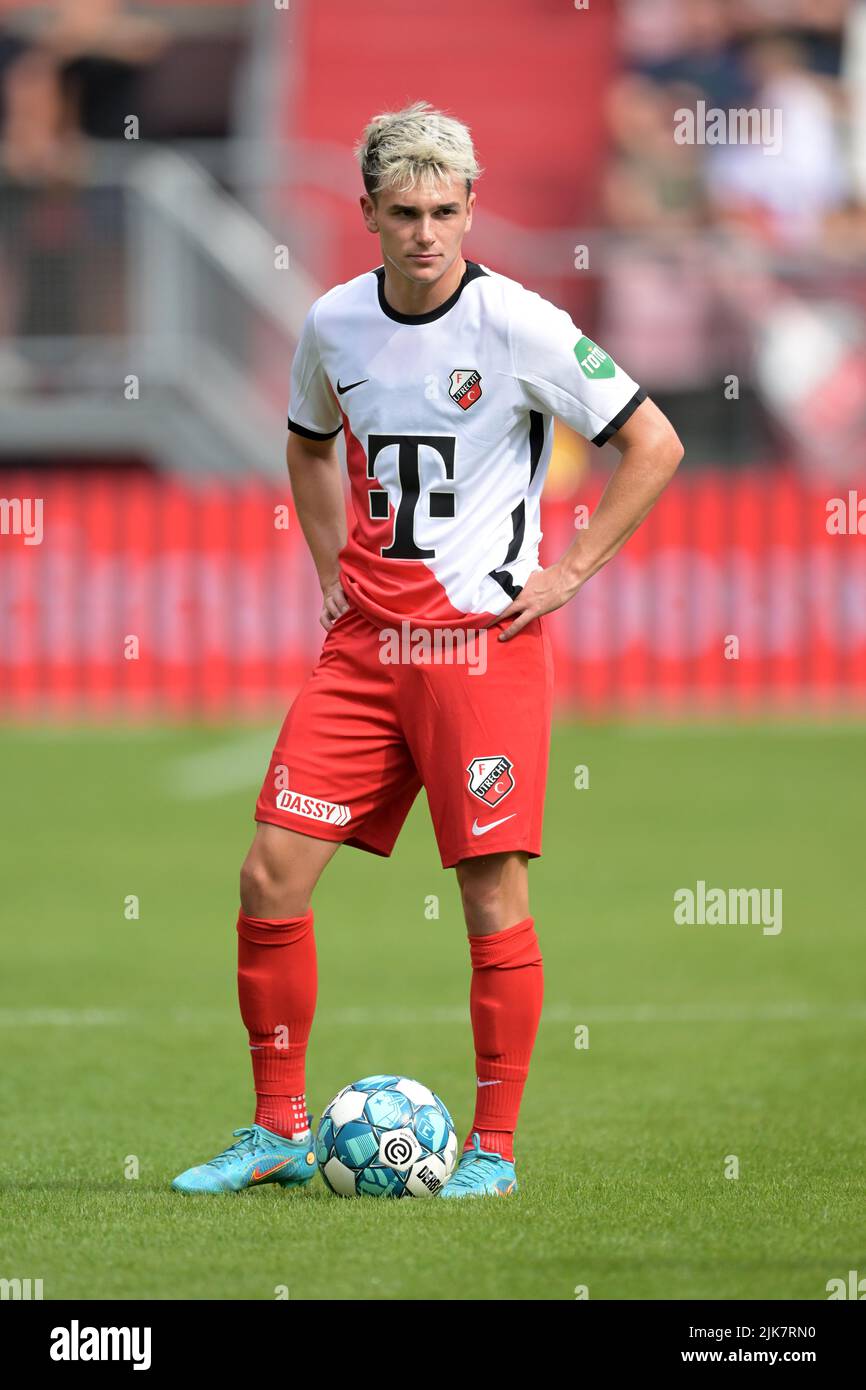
(313,809)
(593,360)
(490,779)
(465,386)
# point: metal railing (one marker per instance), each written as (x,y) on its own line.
(149,312)
(153,308)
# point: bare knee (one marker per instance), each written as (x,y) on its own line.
(482,905)
(262,885)
(494,891)
(280,872)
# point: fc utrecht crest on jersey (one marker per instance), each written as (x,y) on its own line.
(465,386)
(490,779)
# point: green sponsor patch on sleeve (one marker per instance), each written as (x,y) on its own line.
(593,360)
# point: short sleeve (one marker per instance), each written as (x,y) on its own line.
(566,374)
(313,411)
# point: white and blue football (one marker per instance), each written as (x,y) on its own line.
(386,1136)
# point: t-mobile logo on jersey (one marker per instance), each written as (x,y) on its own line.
(438,646)
(440,501)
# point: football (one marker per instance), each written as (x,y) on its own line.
(386,1136)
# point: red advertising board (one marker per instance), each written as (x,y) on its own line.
(130,596)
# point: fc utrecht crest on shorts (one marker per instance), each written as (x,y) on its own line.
(448,420)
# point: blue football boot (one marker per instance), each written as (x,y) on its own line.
(259,1156)
(481,1174)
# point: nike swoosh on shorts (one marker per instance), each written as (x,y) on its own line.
(483,829)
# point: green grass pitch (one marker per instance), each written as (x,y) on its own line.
(122,1041)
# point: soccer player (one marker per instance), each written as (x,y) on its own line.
(444,377)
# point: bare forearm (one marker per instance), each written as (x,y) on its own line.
(637,482)
(650,452)
(317,489)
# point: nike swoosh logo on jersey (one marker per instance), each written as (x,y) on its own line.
(341,390)
(483,829)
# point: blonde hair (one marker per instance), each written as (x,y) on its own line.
(415,147)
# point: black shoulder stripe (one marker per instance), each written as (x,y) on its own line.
(619,420)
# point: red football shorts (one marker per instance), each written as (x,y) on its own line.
(371,726)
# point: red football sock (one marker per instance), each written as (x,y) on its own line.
(277,987)
(505,1006)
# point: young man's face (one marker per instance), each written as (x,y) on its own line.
(420,232)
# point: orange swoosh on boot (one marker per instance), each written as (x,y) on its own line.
(257,1176)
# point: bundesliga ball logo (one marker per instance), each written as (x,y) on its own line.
(386,1136)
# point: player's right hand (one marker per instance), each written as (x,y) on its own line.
(334,605)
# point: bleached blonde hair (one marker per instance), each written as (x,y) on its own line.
(417,147)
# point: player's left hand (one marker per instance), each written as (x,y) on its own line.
(334,604)
(543,592)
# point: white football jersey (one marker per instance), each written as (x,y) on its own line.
(448,426)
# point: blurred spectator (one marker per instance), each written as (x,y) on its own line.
(69,80)
(38,140)
(721,248)
(817,24)
(40,149)
(704,53)
(785,194)
(652,184)
(71,73)
(100,51)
